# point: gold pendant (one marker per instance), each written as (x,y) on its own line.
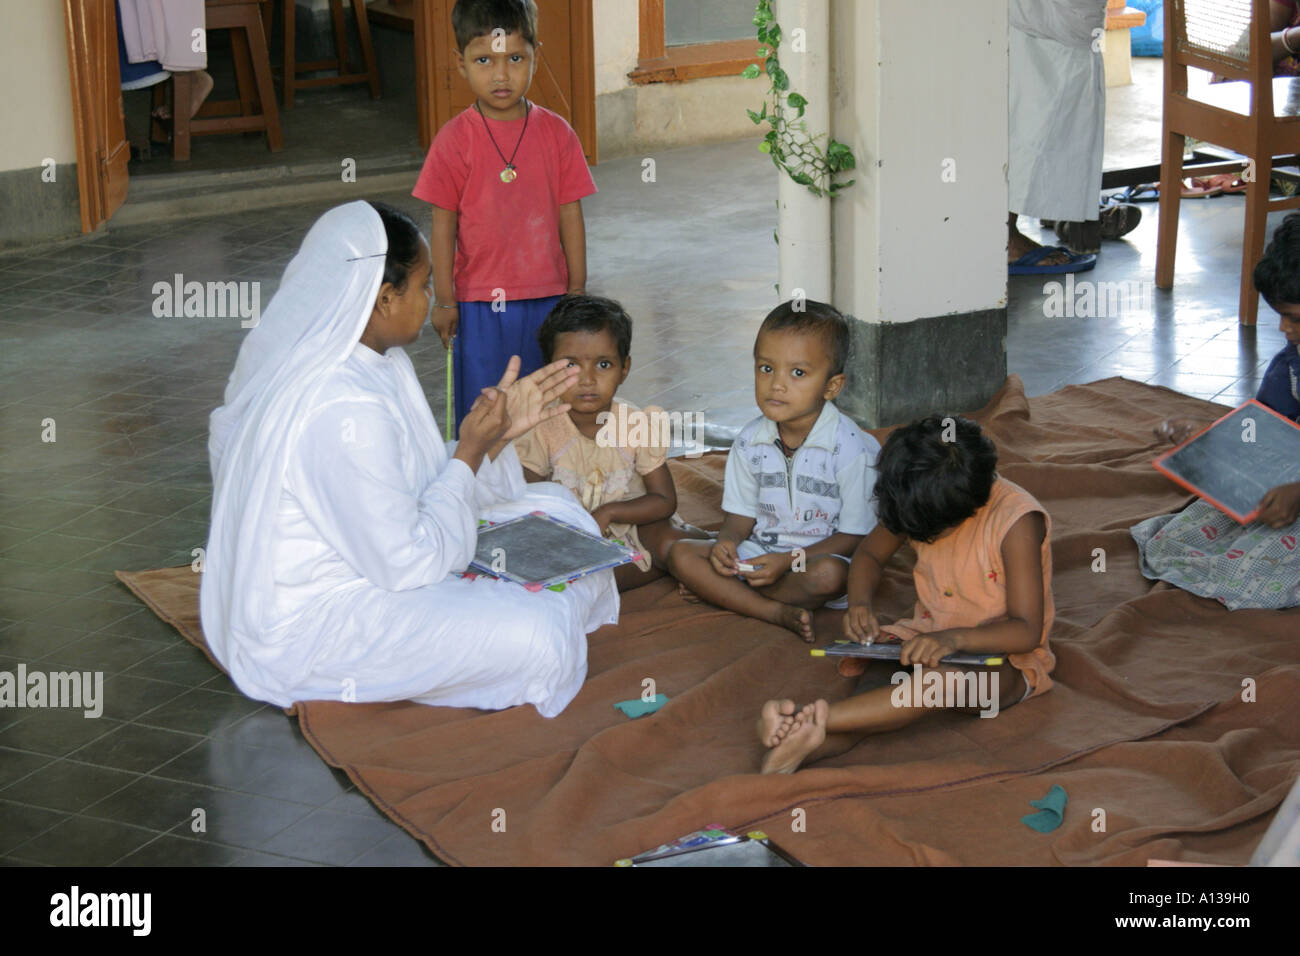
(508,174)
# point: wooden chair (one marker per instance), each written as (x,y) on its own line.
(256,107)
(1253,114)
(340,61)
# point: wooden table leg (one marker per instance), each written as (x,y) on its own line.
(367,47)
(290,69)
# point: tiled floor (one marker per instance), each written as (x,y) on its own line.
(181,768)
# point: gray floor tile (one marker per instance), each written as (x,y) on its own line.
(199,711)
(19,823)
(328,836)
(68,786)
(135,749)
(81,841)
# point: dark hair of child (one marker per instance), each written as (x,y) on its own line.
(403,244)
(816,318)
(476,18)
(1277,274)
(925,485)
(586,313)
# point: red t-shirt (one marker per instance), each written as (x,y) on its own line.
(508,234)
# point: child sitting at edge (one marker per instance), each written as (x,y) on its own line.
(1202,550)
(983,581)
(607,457)
(506,179)
(797,494)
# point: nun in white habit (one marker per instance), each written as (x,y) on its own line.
(341,523)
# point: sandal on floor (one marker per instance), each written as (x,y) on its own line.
(1028,264)
(1228,182)
(1195,188)
(1148,192)
(1119,219)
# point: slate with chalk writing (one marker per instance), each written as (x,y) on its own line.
(1236,460)
(538,551)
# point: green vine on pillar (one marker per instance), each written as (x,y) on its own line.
(788,141)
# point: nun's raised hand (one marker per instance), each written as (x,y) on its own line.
(528,398)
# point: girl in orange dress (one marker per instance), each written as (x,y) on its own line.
(983,580)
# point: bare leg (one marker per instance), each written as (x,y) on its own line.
(660,536)
(688,562)
(628,577)
(875,711)
(200,90)
(824,578)
(1018,244)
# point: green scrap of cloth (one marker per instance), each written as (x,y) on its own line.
(639,708)
(1051,811)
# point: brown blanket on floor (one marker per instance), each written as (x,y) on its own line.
(1146,728)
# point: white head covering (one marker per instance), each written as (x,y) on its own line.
(310,327)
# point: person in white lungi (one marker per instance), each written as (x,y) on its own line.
(1057,113)
(341,523)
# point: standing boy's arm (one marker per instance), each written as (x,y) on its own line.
(573,239)
(442,253)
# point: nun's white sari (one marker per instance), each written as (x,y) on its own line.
(340,524)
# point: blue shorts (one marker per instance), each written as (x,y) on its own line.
(485,340)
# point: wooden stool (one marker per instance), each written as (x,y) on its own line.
(256,107)
(339,62)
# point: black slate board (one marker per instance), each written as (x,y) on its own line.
(1232,472)
(538,551)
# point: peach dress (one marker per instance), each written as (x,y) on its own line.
(596,473)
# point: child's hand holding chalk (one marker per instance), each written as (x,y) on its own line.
(767,569)
(723,557)
(860,624)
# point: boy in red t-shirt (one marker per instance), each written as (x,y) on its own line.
(506,179)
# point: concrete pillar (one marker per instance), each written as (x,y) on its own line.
(805,220)
(920,94)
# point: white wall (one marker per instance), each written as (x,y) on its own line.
(915,83)
(616,32)
(36,109)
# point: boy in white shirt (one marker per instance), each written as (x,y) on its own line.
(799,481)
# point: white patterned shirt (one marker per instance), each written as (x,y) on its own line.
(825,488)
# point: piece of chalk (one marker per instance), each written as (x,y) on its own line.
(746,567)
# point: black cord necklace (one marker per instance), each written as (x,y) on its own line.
(508,174)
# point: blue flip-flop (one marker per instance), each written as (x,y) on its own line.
(1026,265)
(1148,192)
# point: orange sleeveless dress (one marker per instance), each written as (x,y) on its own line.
(960,580)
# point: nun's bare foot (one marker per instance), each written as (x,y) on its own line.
(807,734)
(775,721)
(798,620)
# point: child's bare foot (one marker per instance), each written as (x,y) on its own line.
(775,721)
(807,734)
(689,596)
(798,620)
